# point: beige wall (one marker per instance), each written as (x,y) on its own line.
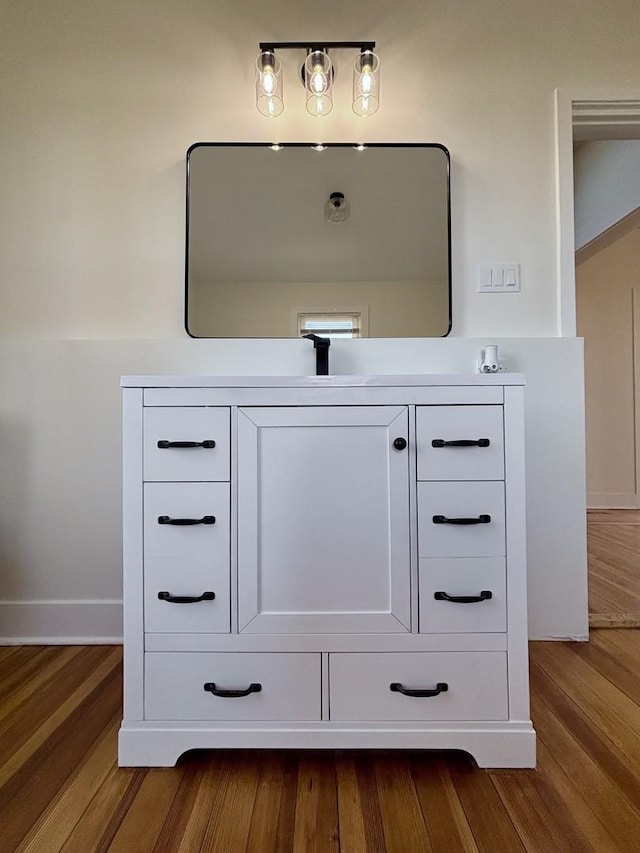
(100,101)
(247,309)
(608,314)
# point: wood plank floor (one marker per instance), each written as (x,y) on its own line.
(613,548)
(60,788)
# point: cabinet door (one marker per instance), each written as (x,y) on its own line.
(323,519)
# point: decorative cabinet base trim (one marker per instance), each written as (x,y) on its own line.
(493,745)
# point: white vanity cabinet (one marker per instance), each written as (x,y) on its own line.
(323,520)
(328,562)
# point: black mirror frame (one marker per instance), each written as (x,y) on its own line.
(309,145)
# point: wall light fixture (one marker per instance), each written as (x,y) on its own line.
(318,72)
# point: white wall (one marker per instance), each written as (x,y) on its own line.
(606,185)
(60,525)
(100,102)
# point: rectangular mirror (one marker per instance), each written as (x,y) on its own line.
(341,240)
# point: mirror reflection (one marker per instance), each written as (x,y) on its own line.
(344,240)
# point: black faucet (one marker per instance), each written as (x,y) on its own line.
(321,346)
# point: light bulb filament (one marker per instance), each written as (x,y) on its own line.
(268,81)
(367,81)
(318,80)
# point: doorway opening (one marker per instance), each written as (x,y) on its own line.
(603,293)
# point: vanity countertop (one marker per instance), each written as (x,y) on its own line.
(337,381)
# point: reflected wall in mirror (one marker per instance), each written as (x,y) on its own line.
(345,240)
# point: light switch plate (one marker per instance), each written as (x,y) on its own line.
(498,278)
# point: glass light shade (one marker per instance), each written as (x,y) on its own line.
(366,83)
(318,82)
(269,99)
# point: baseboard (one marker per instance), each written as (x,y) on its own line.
(60,622)
(605,500)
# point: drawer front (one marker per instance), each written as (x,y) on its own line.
(461,501)
(460,423)
(360,686)
(182,424)
(174,686)
(466,577)
(167,578)
(194,501)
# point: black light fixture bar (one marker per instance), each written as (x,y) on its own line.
(316,45)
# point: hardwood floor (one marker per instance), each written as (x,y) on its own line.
(60,789)
(613,547)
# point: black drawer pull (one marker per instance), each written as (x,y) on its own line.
(210,687)
(485,595)
(186,599)
(208,443)
(481,519)
(481,442)
(183,522)
(441,687)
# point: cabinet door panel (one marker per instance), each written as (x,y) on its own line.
(323,515)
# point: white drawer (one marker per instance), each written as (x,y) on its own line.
(169,578)
(441,424)
(195,501)
(466,577)
(186,424)
(476,686)
(462,500)
(290,686)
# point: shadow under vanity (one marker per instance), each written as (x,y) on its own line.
(325,562)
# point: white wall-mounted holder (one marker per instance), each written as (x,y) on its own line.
(489,361)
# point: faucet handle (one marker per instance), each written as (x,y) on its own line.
(318,342)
